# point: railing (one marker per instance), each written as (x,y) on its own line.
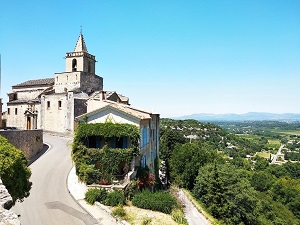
(120,177)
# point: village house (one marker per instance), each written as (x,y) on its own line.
(101,110)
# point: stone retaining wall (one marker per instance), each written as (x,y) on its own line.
(29,141)
(6,217)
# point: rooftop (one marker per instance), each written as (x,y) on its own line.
(138,113)
(44,81)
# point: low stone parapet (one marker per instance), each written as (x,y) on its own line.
(29,141)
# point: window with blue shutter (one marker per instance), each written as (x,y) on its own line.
(98,142)
(125,142)
(112,142)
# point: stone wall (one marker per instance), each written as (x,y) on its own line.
(29,141)
(6,217)
(54,109)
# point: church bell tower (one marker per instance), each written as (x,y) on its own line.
(80,60)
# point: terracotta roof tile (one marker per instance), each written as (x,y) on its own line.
(44,81)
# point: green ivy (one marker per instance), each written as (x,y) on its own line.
(94,165)
(14,171)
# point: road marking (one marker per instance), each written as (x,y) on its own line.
(86,218)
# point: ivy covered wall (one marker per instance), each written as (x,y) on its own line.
(100,165)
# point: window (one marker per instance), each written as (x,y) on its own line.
(144,161)
(48,104)
(59,104)
(121,142)
(94,142)
(145,136)
(118,142)
(16,111)
(8,111)
(74,65)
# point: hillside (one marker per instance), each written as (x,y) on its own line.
(213,135)
(235,190)
(251,116)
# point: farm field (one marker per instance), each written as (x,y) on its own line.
(265,155)
(285,132)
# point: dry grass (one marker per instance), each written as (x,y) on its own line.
(137,216)
(265,155)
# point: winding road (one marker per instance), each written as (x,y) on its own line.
(49,202)
(191,213)
(276,155)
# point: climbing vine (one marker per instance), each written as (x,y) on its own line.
(99,165)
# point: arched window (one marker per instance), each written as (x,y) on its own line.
(74,65)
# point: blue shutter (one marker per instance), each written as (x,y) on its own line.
(125,142)
(144,136)
(98,142)
(112,142)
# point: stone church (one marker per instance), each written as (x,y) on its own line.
(52,104)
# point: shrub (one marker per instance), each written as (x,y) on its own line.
(131,189)
(178,217)
(146,221)
(95,195)
(158,201)
(14,171)
(114,198)
(119,212)
(88,173)
(145,179)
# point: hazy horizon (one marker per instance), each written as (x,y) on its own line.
(171,57)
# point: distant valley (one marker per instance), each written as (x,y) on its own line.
(251,116)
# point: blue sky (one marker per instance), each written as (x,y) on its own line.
(173,57)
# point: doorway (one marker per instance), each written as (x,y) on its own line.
(28,125)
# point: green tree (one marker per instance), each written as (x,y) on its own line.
(186,161)
(168,140)
(261,164)
(285,190)
(227,194)
(262,181)
(241,163)
(293,169)
(14,171)
(277,170)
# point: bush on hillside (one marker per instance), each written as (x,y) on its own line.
(178,217)
(95,195)
(131,189)
(119,212)
(157,201)
(14,171)
(114,198)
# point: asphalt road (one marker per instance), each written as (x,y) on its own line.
(191,213)
(276,156)
(49,202)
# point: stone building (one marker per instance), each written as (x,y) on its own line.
(101,110)
(52,104)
